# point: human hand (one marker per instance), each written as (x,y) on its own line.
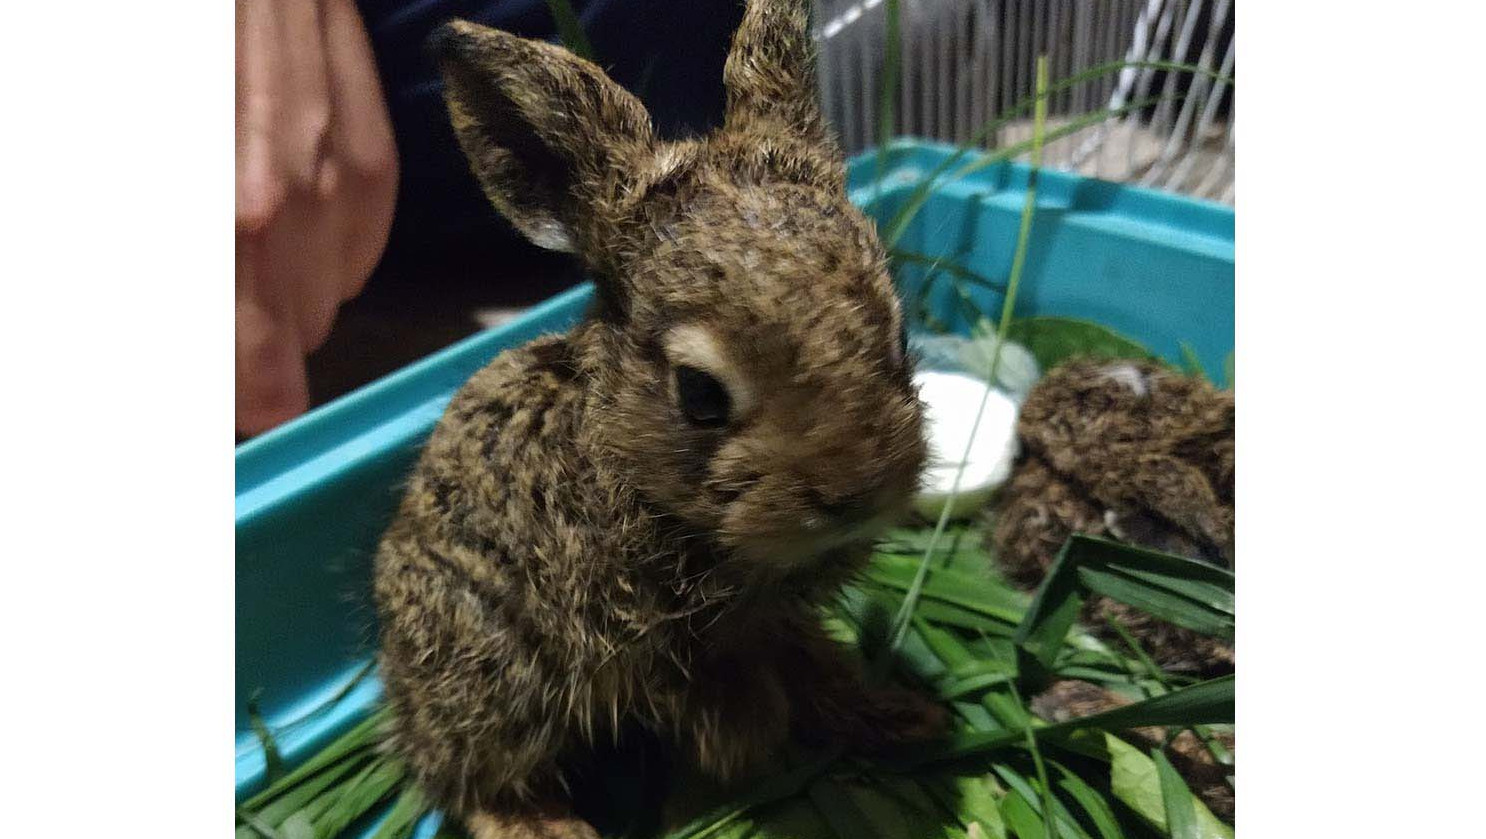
(316,185)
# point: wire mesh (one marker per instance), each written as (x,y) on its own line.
(965,62)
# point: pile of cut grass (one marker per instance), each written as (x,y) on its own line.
(980,646)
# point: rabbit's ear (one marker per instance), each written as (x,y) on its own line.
(770,71)
(546,132)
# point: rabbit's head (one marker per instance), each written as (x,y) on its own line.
(747,356)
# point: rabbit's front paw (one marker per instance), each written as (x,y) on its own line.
(529,825)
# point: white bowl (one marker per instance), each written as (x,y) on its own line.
(951,401)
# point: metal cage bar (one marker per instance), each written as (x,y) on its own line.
(966,62)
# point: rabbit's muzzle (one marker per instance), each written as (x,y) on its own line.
(805,496)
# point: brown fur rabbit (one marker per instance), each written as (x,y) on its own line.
(1136,452)
(635,522)
(1131,451)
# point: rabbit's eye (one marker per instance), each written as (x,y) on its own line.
(703,399)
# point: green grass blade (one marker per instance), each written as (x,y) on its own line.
(948,266)
(1094,805)
(1209,702)
(1192,363)
(961,745)
(975,593)
(1018,262)
(949,615)
(1183,591)
(1021,817)
(1056,818)
(311,788)
(1073,127)
(796,818)
(273,761)
(1008,710)
(972,799)
(298,827)
(887,93)
(1029,207)
(959,687)
(976,717)
(1049,812)
(1219,752)
(1216,597)
(1147,664)
(1133,779)
(944,645)
(569,30)
(361,798)
(1205,703)
(1184,583)
(776,788)
(1170,607)
(1097,552)
(916,657)
(300,820)
(856,812)
(400,821)
(1181,816)
(1162,682)
(254,827)
(1097,675)
(912,794)
(1136,782)
(365,735)
(1054,609)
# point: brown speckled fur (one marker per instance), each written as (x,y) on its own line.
(572,556)
(1130,451)
(1136,452)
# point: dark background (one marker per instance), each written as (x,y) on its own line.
(449,255)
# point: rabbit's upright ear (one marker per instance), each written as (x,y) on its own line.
(770,72)
(547,134)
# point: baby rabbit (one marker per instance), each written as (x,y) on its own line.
(1132,451)
(635,523)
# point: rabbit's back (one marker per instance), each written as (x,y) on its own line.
(508,622)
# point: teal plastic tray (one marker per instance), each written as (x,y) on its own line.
(314,495)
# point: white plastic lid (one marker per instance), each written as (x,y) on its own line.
(951,401)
